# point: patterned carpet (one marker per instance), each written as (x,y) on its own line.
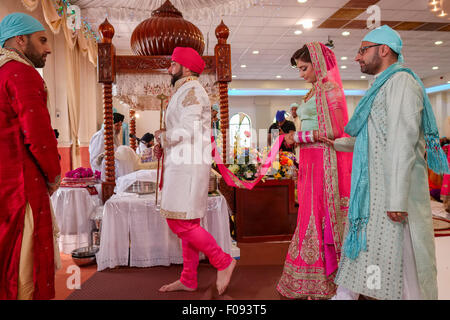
(255,278)
(247,283)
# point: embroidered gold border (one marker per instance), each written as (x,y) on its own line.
(173,214)
(310,251)
(184,80)
(297,282)
(337,216)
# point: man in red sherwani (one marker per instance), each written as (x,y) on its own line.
(29,164)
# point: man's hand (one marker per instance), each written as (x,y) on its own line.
(158,134)
(52,188)
(397,216)
(327,141)
(158,151)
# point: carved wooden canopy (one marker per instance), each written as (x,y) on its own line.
(109,65)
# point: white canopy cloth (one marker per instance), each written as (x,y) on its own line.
(74,208)
(140,91)
(123,182)
(132,9)
(135,233)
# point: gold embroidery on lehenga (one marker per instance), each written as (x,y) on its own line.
(190,99)
(293,247)
(310,245)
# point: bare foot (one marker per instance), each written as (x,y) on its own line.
(224,276)
(175,286)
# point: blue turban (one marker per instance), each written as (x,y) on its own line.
(18,24)
(280,115)
(215,107)
(386,35)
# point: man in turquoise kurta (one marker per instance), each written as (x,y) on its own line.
(389,250)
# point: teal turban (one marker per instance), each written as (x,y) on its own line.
(388,36)
(295,104)
(18,24)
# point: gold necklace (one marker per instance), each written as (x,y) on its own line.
(309,95)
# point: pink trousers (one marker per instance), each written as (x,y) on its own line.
(193,240)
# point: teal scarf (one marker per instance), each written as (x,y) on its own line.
(359,210)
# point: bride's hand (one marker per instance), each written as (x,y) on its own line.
(327,141)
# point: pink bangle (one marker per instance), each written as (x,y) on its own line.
(306,136)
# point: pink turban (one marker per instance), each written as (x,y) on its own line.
(188,58)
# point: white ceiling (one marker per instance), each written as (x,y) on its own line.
(269,26)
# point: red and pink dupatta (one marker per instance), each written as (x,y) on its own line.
(234,181)
(332,117)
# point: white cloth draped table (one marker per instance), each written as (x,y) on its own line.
(74,208)
(134,233)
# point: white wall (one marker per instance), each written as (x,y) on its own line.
(262,110)
(441,108)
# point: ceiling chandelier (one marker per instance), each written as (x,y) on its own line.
(441,8)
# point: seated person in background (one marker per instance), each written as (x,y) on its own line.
(97,143)
(294,116)
(281,126)
(126,161)
(145,148)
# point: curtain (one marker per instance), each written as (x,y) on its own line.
(79,44)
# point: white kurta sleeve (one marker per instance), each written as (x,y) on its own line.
(344,144)
(96,150)
(191,119)
(404,101)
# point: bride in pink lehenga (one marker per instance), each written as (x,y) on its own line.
(323,180)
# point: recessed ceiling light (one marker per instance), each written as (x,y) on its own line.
(243,66)
(255,52)
(307,24)
(435,68)
(233,76)
(137,115)
(439,42)
(448,81)
(278,77)
(363,77)
(297,32)
(344,67)
(344,58)
(287,89)
(345,33)
(301,1)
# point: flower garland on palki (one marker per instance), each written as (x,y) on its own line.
(232,180)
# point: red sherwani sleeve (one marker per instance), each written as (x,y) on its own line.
(30,103)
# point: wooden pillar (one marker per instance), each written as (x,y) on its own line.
(106,76)
(133,129)
(222,52)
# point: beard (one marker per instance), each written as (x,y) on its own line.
(175,77)
(371,67)
(34,56)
